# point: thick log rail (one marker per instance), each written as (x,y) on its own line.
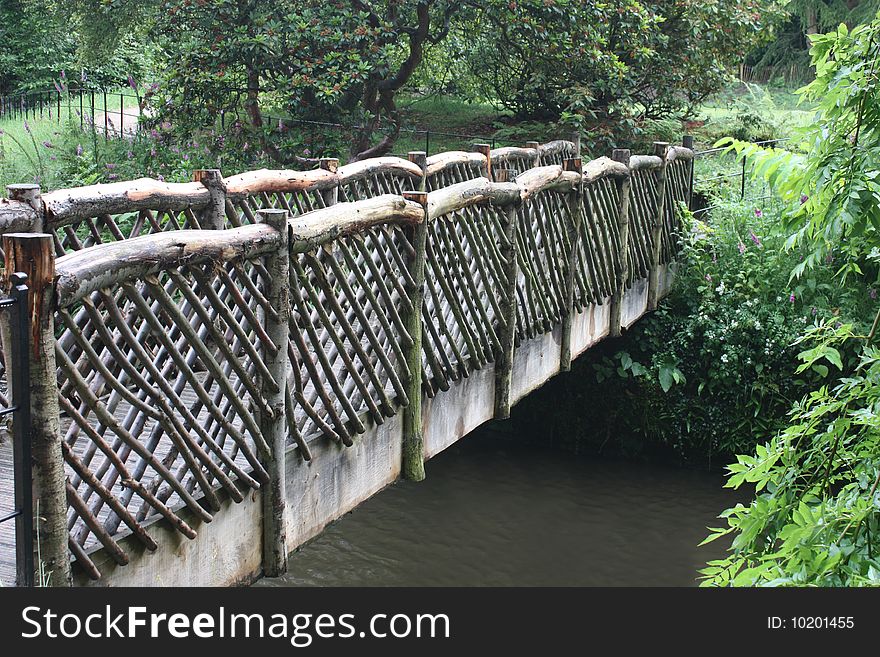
(207,333)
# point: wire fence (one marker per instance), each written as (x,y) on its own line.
(114,114)
(723,169)
(118,114)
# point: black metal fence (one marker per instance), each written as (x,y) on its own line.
(113,113)
(729,167)
(18,379)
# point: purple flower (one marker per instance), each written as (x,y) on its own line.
(741,247)
(112,176)
(2,133)
(161,178)
(132,83)
(27,127)
(48,144)
(813,310)
(872,293)
(63,75)
(708,278)
(129,154)
(110,166)
(79,150)
(791,298)
(153,152)
(804,198)
(758,213)
(754,238)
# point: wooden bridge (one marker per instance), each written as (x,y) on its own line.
(220,368)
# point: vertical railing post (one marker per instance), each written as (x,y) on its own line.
(412,464)
(688,142)
(535,145)
(29,193)
(507,321)
(213,217)
(273,425)
(621,155)
(32,254)
(661,148)
(573,229)
(331,195)
(18,367)
(486,151)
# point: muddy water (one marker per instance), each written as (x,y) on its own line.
(494,512)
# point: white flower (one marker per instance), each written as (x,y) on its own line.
(723,358)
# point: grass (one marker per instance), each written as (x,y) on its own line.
(24,155)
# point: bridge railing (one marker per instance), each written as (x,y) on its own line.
(200,334)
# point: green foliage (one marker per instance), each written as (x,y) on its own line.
(606,66)
(829,173)
(704,371)
(816,517)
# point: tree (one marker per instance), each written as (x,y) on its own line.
(609,64)
(344,61)
(816,516)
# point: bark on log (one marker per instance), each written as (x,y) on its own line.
(643,162)
(366,168)
(278,180)
(601,167)
(442,161)
(17,217)
(557,146)
(471,192)
(104,265)
(65,206)
(679,153)
(540,179)
(315,228)
(501,155)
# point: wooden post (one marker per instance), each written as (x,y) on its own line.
(534,144)
(688,142)
(660,150)
(213,217)
(573,207)
(507,330)
(30,194)
(486,151)
(621,155)
(33,255)
(331,164)
(274,426)
(412,465)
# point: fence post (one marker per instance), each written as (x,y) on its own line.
(18,341)
(274,425)
(660,150)
(29,193)
(573,207)
(32,254)
(213,217)
(534,144)
(507,331)
(688,142)
(486,151)
(412,464)
(331,164)
(621,155)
